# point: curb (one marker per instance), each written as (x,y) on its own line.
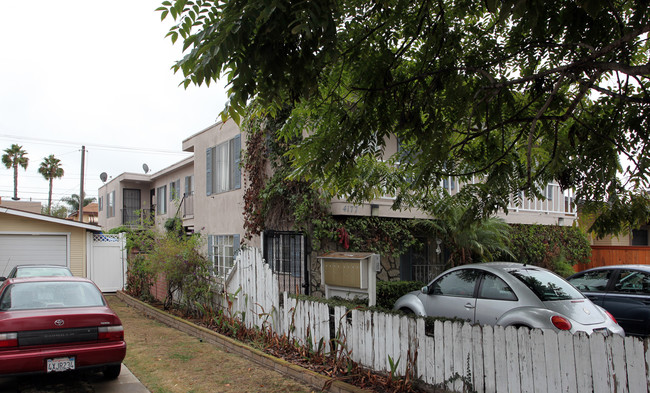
(298,373)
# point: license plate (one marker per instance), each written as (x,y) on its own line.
(60,364)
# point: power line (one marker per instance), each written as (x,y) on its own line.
(94,146)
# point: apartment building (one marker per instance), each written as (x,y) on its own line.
(206,192)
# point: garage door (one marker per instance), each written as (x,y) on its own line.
(21,249)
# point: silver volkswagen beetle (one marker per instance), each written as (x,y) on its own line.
(509,294)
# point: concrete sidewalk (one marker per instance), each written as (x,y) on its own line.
(125,383)
(78,382)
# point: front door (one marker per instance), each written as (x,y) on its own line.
(131,208)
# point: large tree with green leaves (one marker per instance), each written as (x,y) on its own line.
(13,158)
(51,169)
(514,93)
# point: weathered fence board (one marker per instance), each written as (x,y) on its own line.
(538,362)
(478,375)
(552,362)
(636,370)
(489,368)
(500,359)
(512,360)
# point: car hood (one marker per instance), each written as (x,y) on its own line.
(582,311)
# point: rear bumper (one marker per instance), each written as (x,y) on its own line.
(88,355)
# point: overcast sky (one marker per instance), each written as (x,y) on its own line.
(84,72)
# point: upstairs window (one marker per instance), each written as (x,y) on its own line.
(161,200)
(222,167)
(189,185)
(110,204)
(175,190)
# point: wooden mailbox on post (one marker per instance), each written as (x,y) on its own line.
(350,275)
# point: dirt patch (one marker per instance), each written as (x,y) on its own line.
(169,361)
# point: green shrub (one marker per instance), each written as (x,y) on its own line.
(553,247)
(389,291)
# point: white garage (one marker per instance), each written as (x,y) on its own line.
(30,248)
(27,237)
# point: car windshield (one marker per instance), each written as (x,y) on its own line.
(40,271)
(546,285)
(53,294)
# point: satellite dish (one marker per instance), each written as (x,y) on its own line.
(103,176)
(145,167)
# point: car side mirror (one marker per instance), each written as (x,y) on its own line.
(425,290)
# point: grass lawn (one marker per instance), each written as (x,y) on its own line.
(170,361)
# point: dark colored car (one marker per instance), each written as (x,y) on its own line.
(508,294)
(623,290)
(56,324)
(37,271)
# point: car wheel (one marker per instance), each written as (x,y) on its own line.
(112,372)
(407,311)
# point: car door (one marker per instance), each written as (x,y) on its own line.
(629,301)
(593,283)
(495,298)
(453,295)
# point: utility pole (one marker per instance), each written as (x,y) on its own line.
(81,192)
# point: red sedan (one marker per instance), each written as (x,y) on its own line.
(56,324)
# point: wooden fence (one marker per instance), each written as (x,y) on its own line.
(616,255)
(460,356)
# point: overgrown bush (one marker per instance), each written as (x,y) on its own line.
(139,278)
(389,291)
(186,271)
(554,247)
(173,256)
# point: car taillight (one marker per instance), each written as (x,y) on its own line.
(611,316)
(110,333)
(561,322)
(8,340)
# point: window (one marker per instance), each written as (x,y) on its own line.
(449,183)
(495,288)
(222,250)
(639,237)
(222,167)
(592,281)
(110,204)
(635,282)
(175,190)
(457,283)
(284,251)
(546,285)
(100,204)
(189,185)
(161,200)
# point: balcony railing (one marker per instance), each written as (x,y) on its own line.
(557,201)
(139,217)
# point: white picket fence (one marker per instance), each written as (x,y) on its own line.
(487,359)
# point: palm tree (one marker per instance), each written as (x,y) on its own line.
(73,201)
(14,157)
(50,169)
(470,240)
